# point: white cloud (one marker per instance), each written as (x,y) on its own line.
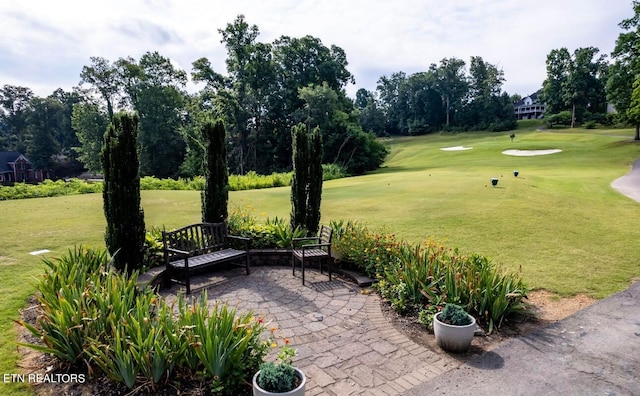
(43,44)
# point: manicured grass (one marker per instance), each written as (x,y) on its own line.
(559,222)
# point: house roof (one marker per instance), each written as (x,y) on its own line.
(7,157)
(533,96)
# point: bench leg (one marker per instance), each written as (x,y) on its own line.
(302,270)
(247,264)
(188,282)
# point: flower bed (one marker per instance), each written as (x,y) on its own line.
(418,280)
(94,320)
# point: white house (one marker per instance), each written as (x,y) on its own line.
(529,107)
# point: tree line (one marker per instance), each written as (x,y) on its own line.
(445,97)
(267,88)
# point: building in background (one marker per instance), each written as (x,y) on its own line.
(529,107)
(15,167)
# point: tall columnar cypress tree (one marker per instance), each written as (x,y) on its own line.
(125,232)
(300,179)
(315,181)
(215,196)
(306,184)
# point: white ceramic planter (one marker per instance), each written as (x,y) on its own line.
(299,391)
(453,338)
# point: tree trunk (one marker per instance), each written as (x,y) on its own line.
(573,116)
(447,110)
(637,137)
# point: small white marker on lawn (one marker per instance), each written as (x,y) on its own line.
(37,252)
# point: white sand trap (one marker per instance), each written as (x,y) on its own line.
(37,252)
(456,148)
(530,153)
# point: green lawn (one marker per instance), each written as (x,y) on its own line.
(559,222)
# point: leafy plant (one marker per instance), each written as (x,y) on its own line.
(274,233)
(454,315)
(282,232)
(279,377)
(367,249)
(225,346)
(94,317)
(153,248)
(68,319)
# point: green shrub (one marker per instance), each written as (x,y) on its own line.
(153,248)
(277,378)
(368,250)
(562,118)
(48,188)
(274,233)
(250,181)
(454,315)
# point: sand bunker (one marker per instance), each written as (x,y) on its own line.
(530,153)
(455,148)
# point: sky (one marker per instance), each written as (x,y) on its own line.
(45,44)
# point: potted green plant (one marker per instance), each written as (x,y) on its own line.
(454,328)
(280,378)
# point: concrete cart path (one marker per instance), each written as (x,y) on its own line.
(629,184)
(596,351)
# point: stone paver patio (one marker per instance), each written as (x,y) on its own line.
(345,345)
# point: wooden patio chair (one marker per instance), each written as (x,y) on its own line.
(319,251)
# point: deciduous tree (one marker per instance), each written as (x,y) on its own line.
(626,68)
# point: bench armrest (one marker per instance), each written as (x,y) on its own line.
(177,251)
(245,240)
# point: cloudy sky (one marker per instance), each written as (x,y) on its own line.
(45,44)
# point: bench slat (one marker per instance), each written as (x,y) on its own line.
(213,257)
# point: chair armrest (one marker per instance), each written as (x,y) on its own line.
(294,240)
(315,246)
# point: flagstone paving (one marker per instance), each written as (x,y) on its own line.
(344,344)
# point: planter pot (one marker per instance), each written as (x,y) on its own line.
(299,391)
(494,182)
(453,338)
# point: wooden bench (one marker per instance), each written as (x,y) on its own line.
(198,246)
